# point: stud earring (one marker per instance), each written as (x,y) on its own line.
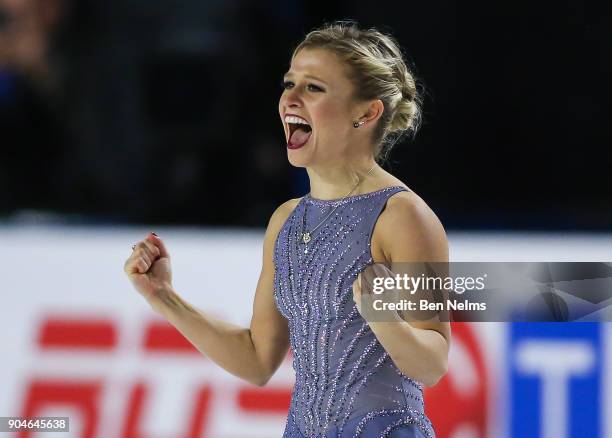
(357,125)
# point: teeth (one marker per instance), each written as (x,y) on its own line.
(296,120)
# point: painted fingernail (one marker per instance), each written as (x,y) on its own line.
(154,234)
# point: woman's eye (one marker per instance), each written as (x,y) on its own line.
(288,84)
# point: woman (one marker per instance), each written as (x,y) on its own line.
(346,96)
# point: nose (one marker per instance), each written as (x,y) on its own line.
(292,98)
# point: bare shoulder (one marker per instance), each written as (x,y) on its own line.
(409,208)
(280,215)
(408,229)
(283,211)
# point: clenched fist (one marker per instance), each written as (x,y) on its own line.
(148,268)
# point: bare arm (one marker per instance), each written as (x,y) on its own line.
(252,353)
(408,231)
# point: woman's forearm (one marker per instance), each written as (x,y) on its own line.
(228,345)
(419,353)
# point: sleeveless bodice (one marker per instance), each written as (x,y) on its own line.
(346,383)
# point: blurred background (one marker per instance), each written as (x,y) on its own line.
(136,111)
(122,117)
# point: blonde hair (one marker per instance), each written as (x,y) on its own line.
(378,71)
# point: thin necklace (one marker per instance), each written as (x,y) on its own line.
(306,235)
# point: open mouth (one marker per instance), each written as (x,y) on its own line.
(299,133)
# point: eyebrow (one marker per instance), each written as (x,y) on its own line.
(308,76)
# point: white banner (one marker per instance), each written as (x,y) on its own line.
(78,340)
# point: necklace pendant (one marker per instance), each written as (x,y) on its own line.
(305,237)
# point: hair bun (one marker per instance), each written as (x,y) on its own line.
(407,113)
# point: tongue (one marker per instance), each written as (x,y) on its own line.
(299,138)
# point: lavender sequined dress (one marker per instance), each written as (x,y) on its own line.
(346,383)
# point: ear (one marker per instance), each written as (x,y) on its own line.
(373,112)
